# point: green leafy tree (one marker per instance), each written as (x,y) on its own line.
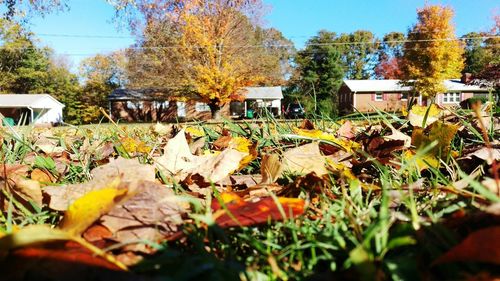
(358,52)
(319,74)
(477,55)
(27,69)
(432,53)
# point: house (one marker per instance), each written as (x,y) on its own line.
(164,105)
(390,95)
(31,108)
(259,100)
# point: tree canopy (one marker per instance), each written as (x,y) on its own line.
(319,74)
(211,48)
(432,51)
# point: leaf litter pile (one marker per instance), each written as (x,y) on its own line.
(383,198)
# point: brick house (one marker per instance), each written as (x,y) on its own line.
(390,95)
(157,105)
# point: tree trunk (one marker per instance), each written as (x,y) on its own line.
(216,111)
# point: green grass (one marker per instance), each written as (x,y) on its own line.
(389,234)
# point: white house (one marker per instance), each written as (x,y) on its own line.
(31,108)
(263,97)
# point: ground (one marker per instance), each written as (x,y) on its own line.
(383,197)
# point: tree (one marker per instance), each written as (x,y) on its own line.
(432,52)
(319,74)
(23,8)
(27,69)
(211,48)
(101,75)
(476,54)
(358,51)
(390,55)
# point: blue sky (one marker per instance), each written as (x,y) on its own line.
(297,19)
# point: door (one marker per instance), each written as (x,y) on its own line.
(181,109)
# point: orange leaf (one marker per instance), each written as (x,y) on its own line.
(480,246)
(245,213)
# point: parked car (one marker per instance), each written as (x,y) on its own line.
(294,111)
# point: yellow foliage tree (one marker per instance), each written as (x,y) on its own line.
(432,52)
(211,48)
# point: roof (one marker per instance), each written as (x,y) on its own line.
(395,86)
(263,93)
(29,100)
(146,94)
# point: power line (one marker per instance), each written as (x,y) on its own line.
(84,36)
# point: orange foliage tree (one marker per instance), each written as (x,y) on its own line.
(211,48)
(432,52)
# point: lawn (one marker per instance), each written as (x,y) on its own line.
(382,197)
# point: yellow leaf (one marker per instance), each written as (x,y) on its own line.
(441,132)
(87,209)
(347,145)
(421,162)
(417,115)
(195,132)
(32,234)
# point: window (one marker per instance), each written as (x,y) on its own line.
(451,97)
(379,96)
(134,105)
(161,104)
(201,107)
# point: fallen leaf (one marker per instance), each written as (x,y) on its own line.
(127,171)
(49,146)
(487,154)
(417,115)
(346,130)
(257,211)
(440,132)
(480,246)
(152,213)
(43,177)
(270,168)
(305,159)
(88,208)
(39,234)
(178,162)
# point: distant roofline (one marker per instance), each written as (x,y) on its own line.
(32,95)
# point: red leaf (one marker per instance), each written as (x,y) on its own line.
(480,246)
(245,213)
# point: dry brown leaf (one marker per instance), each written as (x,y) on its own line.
(43,177)
(487,154)
(151,213)
(305,159)
(15,175)
(346,130)
(128,171)
(270,168)
(29,190)
(178,162)
(49,146)
(398,135)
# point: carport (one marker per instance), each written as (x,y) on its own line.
(31,108)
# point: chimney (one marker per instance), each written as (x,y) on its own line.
(466,78)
